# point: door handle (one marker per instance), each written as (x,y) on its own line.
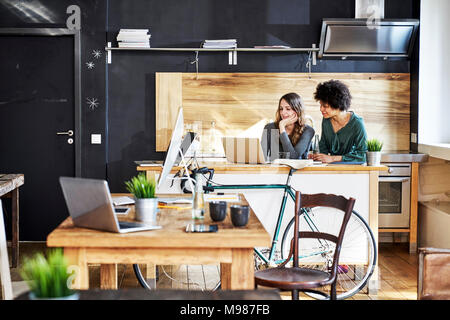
(69,133)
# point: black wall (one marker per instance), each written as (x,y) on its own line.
(52,14)
(125,89)
(173,23)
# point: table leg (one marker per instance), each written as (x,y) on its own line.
(414,208)
(373,284)
(225,276)
(76,258)
(239,275)
(108,276)
(15,228)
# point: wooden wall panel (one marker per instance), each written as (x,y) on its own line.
(236,102)
(168,101)
(434,180)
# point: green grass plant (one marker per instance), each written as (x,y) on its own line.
(141,187)
(374,145)
(47,277)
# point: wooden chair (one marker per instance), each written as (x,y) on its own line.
(5,275)
(296,278)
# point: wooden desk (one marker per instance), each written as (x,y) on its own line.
(231,247)
(9,188)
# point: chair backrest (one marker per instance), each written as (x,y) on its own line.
(4,262)
(320,200)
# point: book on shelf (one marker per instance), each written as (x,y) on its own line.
(272,47)
(134,44)
(133,38)
(220,44)
(134,30)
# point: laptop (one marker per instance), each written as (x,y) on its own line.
(243,150)
(90,205)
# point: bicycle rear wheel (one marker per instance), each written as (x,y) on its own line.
(358,253)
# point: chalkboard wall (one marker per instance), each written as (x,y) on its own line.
(125,89)
(173,23)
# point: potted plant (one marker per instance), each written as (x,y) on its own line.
(374,147)
(146,204)
(48,277)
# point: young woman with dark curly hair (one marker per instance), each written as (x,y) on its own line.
(288,133)
(344,135)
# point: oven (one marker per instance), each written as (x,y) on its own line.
(394,196)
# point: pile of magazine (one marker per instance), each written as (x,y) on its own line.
(133,38)
(220,44)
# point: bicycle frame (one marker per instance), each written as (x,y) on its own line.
(288,190)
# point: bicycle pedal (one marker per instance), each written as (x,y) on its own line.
(262,266)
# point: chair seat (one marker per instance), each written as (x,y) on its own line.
(294,278)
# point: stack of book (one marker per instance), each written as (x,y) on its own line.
(220,44)
(133,38)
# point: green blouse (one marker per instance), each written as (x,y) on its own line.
(350,141)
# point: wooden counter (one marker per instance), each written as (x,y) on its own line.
(226,167)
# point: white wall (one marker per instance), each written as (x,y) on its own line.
(434,72)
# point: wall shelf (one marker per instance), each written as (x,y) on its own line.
(232,52)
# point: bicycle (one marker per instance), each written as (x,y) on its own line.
(358,254)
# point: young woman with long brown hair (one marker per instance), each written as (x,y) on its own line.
(289,129)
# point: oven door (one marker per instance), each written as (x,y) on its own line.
(394,202)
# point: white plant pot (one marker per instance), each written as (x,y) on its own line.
(373,158)
(146,210)
(74,296)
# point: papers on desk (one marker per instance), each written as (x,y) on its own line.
(175,200)
(120,201)
(295,163)
(231,197)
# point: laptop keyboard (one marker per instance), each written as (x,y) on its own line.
(127,225)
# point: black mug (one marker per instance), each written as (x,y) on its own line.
(239,215)
(218,210)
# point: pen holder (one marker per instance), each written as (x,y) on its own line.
(218,210)
(239,215)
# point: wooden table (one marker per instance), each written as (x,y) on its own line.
(9,188)
(231,247)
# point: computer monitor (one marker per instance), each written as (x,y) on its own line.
(186,145)
(174,148)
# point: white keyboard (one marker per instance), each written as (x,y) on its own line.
(120,201)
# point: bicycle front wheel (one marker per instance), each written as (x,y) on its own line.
(358,253)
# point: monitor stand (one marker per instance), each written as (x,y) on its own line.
(184,164)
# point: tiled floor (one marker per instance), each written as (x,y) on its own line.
(397,268)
